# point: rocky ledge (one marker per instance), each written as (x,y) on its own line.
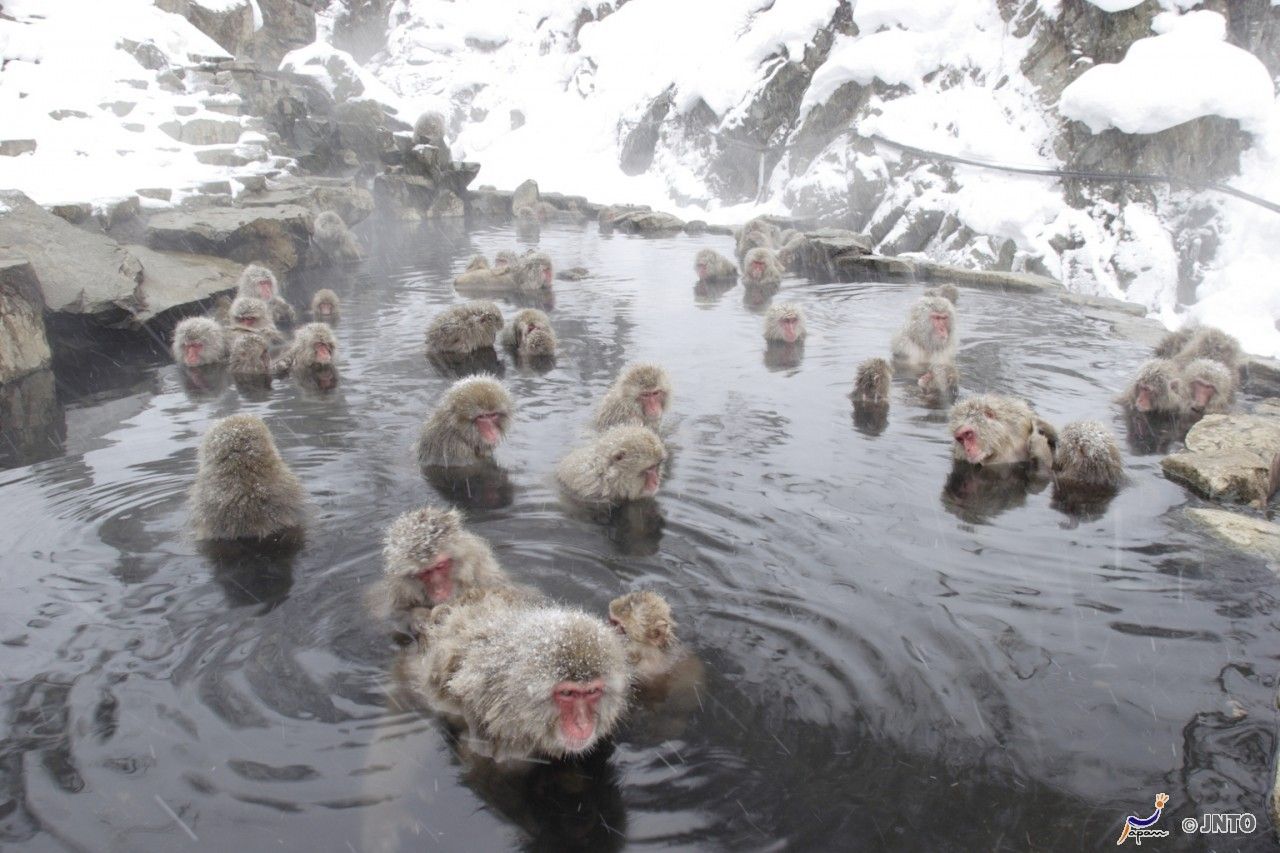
(1231,457)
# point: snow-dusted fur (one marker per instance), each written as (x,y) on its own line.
(621,405)
(918,342)
(258,282)
(529,333)
(243,489)
(464,328)
(611,467)
(645,619)
(200,330)
(1087,457)
(1007,430)
(710,265)
(1213,378)
(774,317)
(449,435)
(334,240)
(760,266)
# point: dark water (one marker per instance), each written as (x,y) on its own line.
(888,664)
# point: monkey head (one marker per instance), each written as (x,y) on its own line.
(486,317)
(250,313)
(324,305)
(537,271)
(871,383)
(429,128)
(643,617)
(932,322)
(529,320)
(760,265)
(1087,456)
(1209,386)
(250,356)
(481,409)
(240,442)
(1157,389)
(947,291)
(988,427)
(258,282)
(632,456)
(538,343)
(504,260)
(1213,344)
(198,341)
(647,384)
(707,264)
(420,547)
(315,345)
(784,322)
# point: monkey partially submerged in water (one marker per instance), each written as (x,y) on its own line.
(1088,470)
(530,680)
(335,241)
(249,314)
(640,395)
(470,421)
(312,358)
(243,489)
(1210,387)
(712,266)
(992,430)
(760,268)
(199,341)
(1157,390)
(324,306)
(784,324)
(929,335)
(258,282)
(429,559)
(529,334)
(623,463)
(463,329)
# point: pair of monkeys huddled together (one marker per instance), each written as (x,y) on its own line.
(528,677)
(242,334)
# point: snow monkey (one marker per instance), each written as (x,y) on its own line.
(760,267)
(645,619)
(198,341)
(623,463)
(258,282)
(464,328)
(533,272)
(250,356)
(332,237)
(1210,386)
(872,381)
(1087,457)
(469,422)
(429,559)
(324,306)
(251,315)
(312,355)
(784,324)
(713,266)
(1156,390)
(940,383)
(640,395)
(1190,343)
(991,429)
(948,292)
(243,489)
(529,334)
(929,334)
(531,680)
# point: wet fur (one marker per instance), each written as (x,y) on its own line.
(773,322)
(335,241)
(1008,431)
(464,328)
(718,267)
(247,285)
(917,343)
(610,468)
(621,404)
(872,382)
(449,436)
(243,489)
(1087,457)
(772,273)
(204,331)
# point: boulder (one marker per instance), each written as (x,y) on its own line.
(14,147)
(341,195)
(33,426)
(276,236)
(1249,534)
(404,196)
(611,213)
(491,204)
(998,280)
(526,195)
(286,25)
(447,205)
(24,347)
(1229,457)
(73,212)
(646,222)
(174,282)
(204,131)
(79,273)
(230,24)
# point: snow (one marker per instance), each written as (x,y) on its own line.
(1185,72)
(66,56)
(1116,5)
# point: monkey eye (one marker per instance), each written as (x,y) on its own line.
(594,691)
(990,414)
(619,456)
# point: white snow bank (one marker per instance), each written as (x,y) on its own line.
(66,56)
(321,61)
(1116,5)
(1186,72)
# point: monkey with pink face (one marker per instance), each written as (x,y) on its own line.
(258,282)
(199,341)
(993,430)
(929,336)
(471,420)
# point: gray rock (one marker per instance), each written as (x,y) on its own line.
(1105,303)
(1228,458)
(447,205)
(24,346)
(231,28)
(173,282)
(121,210)
(491,204)
(526,194)
(120,108)
(14,147)
(1249,534)
(832,253)
(59,115)
(647,222)
(204,131)
(276,236)
(228,156)
(1262,376)
(158,193)
(75,212)
(404,197)
(33,426)
(78,272)
(1004,282)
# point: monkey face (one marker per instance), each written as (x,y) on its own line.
(322,352)
(575,703)
(490,426)
(941,322)
(545,269)
(192,353)
(325,308)
(977,441)
(1202,394)
(437,578)
(265,289)
(653,401)
(789,325)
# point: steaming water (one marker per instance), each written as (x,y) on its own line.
(887,665)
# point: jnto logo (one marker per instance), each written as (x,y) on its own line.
(1139,828)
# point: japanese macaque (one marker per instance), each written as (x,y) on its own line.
(784,324)
(949,292)
(789,254)
(1088,470)
(645,619)
(198,341)
(250,356)
(470,421)
(929,334)
(324,306)
(530,680)
(758,233)
(222,310)
(940,383)
(243,489)
(249,314)
(312,356)
(335,241)
(760,267)
(1191,343)
(622,463)
(713,266)
(640,395)
(1157,390)
(429,128)
(992,429)
(872,382)
(533,272)
(1210,386)
(429,559)
(573,274)
(464,328)
(529,334)
(258,282)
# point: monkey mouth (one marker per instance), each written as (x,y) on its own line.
(652,479)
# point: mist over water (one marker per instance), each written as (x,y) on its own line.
(894,658)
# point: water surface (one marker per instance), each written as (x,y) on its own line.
(890,662)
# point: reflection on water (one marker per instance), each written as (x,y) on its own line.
(894,655)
